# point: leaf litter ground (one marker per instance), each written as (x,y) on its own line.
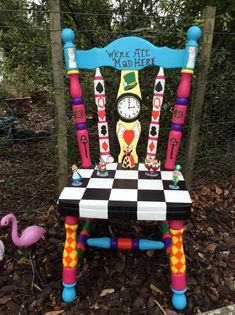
(110,282)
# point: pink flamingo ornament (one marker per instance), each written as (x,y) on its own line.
(29,236)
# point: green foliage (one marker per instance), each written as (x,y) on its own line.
(25,41)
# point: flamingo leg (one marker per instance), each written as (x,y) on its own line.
(177,265)
(35,266)
(70,259)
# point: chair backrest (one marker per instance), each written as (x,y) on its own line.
(130,54)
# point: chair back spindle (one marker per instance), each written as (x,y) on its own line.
(100,100)
(128,132)
(158,93)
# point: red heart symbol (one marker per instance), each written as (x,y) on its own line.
(128,136)
(155,115)
(101,114)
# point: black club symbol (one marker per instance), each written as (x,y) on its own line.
(153,131)
(103,130)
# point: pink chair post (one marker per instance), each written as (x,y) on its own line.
(79,116)
(178,119)
(180,108)
(70,259)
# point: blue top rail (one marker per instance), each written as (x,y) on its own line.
(130,53)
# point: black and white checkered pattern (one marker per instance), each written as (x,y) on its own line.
(126,194)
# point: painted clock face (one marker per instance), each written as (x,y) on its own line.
(128,107)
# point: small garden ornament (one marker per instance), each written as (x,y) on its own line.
(29,236)
(175,177)
(153,166)
(102,172)
(76,177)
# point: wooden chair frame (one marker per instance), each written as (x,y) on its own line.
(128,54)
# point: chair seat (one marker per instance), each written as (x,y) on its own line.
(126,194)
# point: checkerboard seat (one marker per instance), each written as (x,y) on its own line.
(126,194)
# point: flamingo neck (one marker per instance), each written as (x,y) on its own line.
(14,232)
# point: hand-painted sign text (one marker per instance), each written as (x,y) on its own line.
(126,59)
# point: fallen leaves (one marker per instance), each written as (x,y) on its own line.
(156,289)
(212,293)
(211,247)
(4,300)
(132,281)
(218,190)
(54,312)
(106,291)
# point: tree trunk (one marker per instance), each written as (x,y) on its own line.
(58,78)
(199,89)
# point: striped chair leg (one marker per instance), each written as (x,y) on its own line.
(177,265)
(70,259)
(166,238)
(82,241)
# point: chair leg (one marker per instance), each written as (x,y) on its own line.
(166,238)
(82,241)
(177,265)
(70,259)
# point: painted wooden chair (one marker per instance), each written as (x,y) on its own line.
(128,189)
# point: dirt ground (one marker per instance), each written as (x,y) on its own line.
(28,188)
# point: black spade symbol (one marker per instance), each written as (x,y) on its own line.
(99,87)
(158,87)
(103,130)
(153,131)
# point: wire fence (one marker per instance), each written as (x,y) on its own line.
(34,120)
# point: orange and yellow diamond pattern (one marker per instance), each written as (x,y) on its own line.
(70,256)
(177,257)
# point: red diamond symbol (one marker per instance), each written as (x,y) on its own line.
(69,240)
(151,146)
(105,146)
(68,260)
(69,249)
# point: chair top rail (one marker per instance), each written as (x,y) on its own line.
(128,53)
